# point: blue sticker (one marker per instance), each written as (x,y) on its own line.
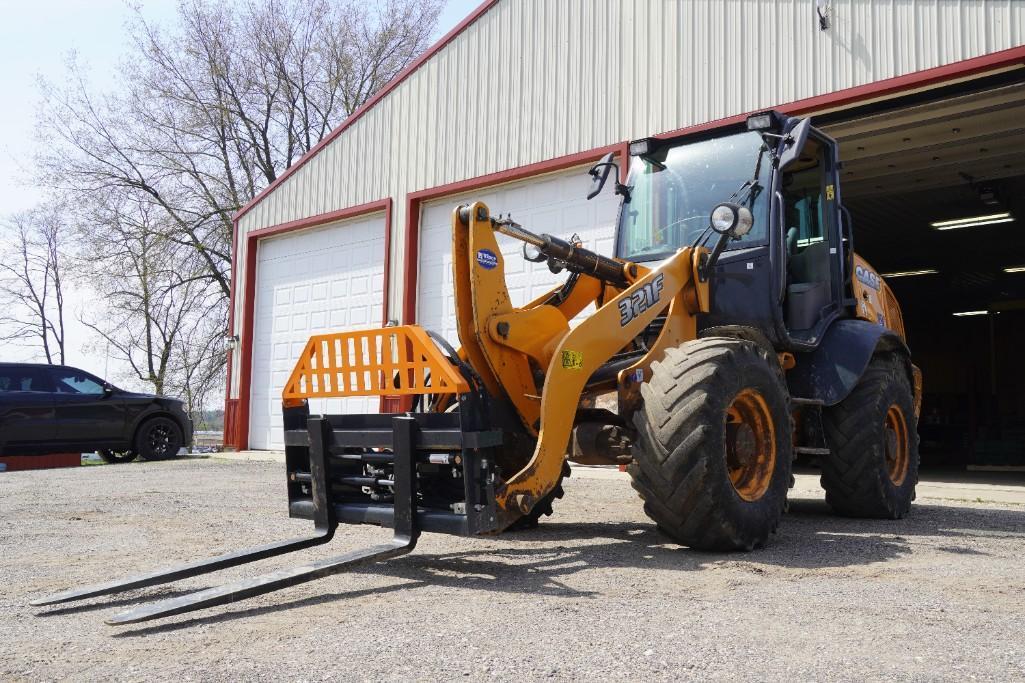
(486,259)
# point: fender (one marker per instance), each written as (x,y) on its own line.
(830,372)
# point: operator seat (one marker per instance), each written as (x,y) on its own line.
(809,291)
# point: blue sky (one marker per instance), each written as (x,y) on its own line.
(36,39)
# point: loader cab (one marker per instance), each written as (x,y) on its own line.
(784,278)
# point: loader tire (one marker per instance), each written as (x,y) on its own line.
(713,453)
(544,506)
(872,469)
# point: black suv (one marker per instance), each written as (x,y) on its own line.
(54,408)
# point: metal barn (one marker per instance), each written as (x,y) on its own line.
(927,98)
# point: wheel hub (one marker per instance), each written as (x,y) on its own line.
(896,444)
(750,444)
(160,439)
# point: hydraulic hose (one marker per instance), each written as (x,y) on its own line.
(576,259)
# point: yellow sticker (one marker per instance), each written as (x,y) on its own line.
(830,193)
(572,360)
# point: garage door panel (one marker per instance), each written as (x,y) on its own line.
(326,280)
(555,204)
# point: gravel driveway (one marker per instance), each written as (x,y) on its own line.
(594,593)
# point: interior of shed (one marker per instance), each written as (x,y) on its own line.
(935,183)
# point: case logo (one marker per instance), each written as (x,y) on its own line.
(641,300)
(486,259)
(867,277)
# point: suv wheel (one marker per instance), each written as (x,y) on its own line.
(115,457)
(159,438)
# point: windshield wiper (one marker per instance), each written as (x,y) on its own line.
(751,186)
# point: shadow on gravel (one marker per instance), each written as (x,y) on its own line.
(165,594)
(810,538)
(212,619)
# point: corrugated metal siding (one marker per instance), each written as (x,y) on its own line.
(537,79)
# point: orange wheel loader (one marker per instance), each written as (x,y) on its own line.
(733,328)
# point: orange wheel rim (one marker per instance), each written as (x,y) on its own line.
(896,436)
(750,444)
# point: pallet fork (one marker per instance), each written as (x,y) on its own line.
(324,443)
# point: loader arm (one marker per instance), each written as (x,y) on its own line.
(579,354)
(515,343)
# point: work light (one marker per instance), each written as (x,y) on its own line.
(733,219)
(759,121)
(641,147)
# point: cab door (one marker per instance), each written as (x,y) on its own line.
(26,410)
(812,247)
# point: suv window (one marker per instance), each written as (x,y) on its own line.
(24,379)
(70,381)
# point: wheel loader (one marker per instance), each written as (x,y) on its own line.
(734,329)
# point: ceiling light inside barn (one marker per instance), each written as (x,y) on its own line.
(973,221)
(909,273)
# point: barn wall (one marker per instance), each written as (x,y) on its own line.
(532,80)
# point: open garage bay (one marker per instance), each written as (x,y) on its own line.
(935,185)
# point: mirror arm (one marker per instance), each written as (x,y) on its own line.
(621,189)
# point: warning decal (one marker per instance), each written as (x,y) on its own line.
(572,360)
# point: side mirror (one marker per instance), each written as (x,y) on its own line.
(600,175)
(108,389)
(797,136)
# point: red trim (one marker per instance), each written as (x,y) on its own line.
(240,411)
(40,462)
(414,200)
(369,104)
(877,89)
(231,437)
(230,407)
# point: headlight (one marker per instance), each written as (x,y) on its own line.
(733,219)
(744,222)
(724,217)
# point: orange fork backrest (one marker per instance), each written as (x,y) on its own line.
(391,360)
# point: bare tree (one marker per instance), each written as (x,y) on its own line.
(207,113)
(150,298)
(197,373)
(32,282)
(214,110)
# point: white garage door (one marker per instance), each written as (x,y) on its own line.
(555,204)
(328,279)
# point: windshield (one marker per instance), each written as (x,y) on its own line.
(675,189)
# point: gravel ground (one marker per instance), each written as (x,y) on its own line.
(595,592)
